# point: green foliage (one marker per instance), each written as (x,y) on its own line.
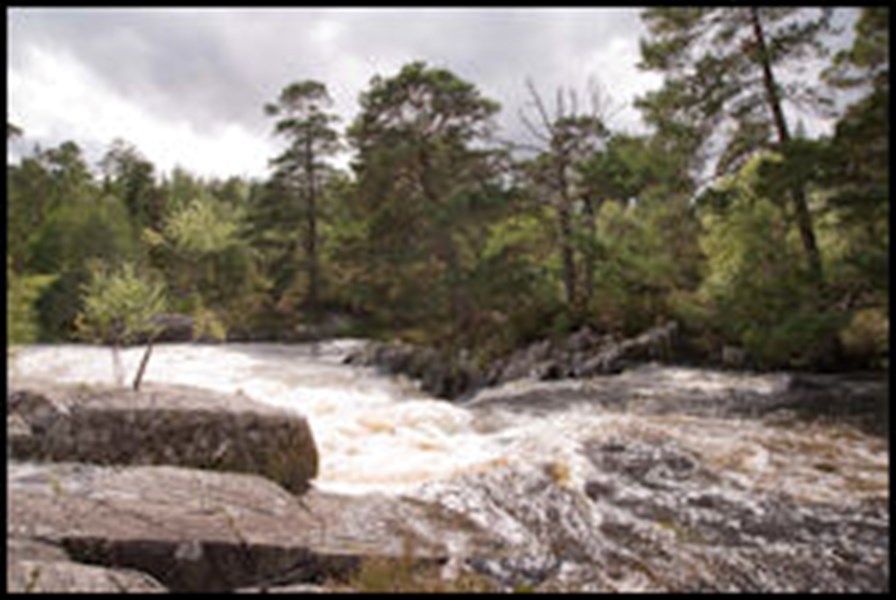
(760,295)
(207,260)
(722,87)
(438,237)
(867,62)
(130,177)
(421,191)
(207,325)
(119,304)
(291,211)
(867,336)
(72,235)
(202,227)
(22,292)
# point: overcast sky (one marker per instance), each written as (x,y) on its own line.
(188,86)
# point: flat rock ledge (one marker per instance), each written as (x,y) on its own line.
(173,425)
(203,531)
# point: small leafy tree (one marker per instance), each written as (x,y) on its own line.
(119,306)
(210,266)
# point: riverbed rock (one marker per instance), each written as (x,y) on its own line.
(173,425)
(857,400)
(206,531)
(652,516)
(439,374)
(696,528)
(585,353)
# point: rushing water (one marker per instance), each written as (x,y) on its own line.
(656,449)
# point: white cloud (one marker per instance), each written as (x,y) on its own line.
(55,97)
(614,66)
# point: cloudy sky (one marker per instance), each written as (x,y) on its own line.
(187,86)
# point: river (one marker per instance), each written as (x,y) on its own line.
(639,465)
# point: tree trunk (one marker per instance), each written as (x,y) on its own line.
(567,251)
(444,244)
(311,244)
(798,192)
(590,258)
(116,365)
(142,368)
(568,257)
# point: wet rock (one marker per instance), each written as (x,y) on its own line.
(162,425)
(173,327)
(329,325)
(585,353)
(774,398)
(534,524)
(439,374)
(861,400)
(731,538)
(652,515)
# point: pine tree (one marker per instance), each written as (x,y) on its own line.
(300,169)
(422,159)
(722,85)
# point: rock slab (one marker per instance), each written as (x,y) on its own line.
(172,425)
(204,531)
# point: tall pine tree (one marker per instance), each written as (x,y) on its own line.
(302,119)
(723,92)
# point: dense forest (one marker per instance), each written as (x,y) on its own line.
(725,217)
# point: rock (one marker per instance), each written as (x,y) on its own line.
(856,400)
(585,353)
(205,531)
(333,324)
(18,434)
(438,374)
(528,362)
(174,327)
(734,357)
(18,548)
(651,514)
(863,400)
(26,576)
(162,425)
(298,588)
(36,566)
(694,528)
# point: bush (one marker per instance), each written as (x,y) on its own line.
(866,339)
(22,292)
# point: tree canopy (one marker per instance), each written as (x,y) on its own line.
(724,214)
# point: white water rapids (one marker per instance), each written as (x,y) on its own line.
(380,433)
(657,479)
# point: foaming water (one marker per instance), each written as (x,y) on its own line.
(374,433)
(379,433)
(657,479)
